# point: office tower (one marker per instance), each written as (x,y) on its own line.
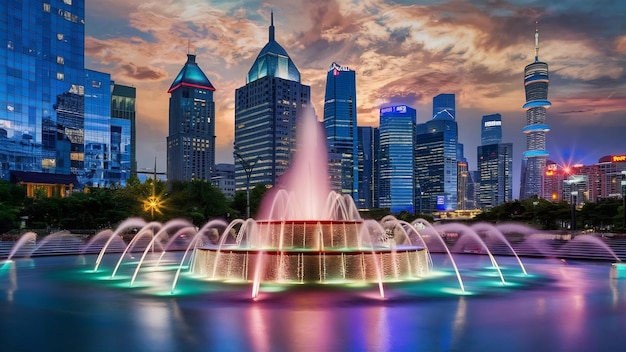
(495,167)
(444,106)
(267,109)
(340,123)
(191,138)
(491,129)
(368,142)
(534,158)
(123,114)
(42,86)
(107,155)
(56,116)
(436,157)
(396,162)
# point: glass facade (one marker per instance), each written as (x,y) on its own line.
(495,172)
(444,106)
(267,109)
(436,164)
(191,138)
(368,142)
(340,123)
(396,178)
(123,115)
(491,129)
(536,81)
(42,100)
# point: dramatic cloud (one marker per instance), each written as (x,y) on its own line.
(402,52)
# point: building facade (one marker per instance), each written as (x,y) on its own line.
(56,116)
(495,172)
(536,81)
(368,142)
(123,113)
(436,159)
(444,106)
(191,137)
(266,114)
(340,124)
(491,129)
(396,162)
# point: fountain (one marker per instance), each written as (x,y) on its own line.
(308,234)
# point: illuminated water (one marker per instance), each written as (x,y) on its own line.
(60,304)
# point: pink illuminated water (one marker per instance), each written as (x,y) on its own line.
(303,189)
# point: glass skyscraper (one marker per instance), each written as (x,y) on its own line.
(340,123)
(396,179)
(444,106)
(368,142)
(436,157)
(55,116)
(123,121)
(191,139)
(491,129)
(495,172)
(536,81)
(267,109)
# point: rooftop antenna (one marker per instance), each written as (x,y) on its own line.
(272,26)
(536,41)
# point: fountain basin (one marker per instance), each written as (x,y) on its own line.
(303,251)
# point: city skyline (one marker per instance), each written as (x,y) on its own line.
(402,54)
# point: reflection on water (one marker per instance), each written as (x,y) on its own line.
(578,307)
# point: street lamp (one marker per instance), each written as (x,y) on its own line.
(247,167)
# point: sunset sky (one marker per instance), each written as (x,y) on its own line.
(403,52)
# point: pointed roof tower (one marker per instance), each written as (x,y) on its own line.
(191,76)
(273,61)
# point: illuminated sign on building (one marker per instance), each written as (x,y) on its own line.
(399,108)
(493,123)
(618,158)
(441,203)
(335,67)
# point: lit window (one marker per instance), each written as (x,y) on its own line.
(60,60)
(46,7)
(69,2)
(60,76)
(60,36)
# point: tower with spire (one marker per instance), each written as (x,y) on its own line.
(536,81)
(191,138)
(267,109)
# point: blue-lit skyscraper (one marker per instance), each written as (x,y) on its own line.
(444,106)
(491,129)
(396,179)
(368,142)
(266,114)
(340,123)
(42,96)
(123,122)
(55,115)
(534,158)
(436,157)
(191,138)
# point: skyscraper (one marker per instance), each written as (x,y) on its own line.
(267,109)
(534,158)
(436,157)
(495,167)
(368,142)
(340,123)
(491,129)
(397,181)
(191,138)
(123,113)
(42,86)
(56,116)
(444,106)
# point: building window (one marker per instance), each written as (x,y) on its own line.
(46,7)
(60,76)
(60,60)
(68,2)
(60,36)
